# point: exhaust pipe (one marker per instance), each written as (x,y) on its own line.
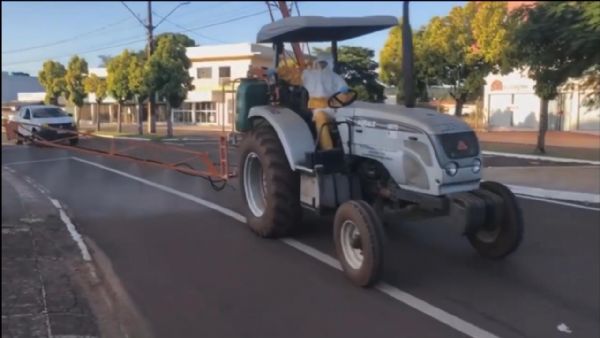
(407,59)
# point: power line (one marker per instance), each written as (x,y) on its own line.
(140,40)
(184,28)
(50,44)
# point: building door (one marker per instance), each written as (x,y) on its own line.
(526,111)
(206,112)
(499,110)
(589,116)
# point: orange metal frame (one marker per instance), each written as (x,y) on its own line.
(211,171)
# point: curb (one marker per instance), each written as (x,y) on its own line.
(541,158)
(562,195)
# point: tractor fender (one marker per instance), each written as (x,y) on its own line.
(292,131)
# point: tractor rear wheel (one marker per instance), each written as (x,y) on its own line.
(270,189)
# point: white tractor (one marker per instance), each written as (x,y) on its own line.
(385,155)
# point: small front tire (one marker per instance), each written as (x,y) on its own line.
(359,237)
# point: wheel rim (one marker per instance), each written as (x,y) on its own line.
(255,185)
(351,244)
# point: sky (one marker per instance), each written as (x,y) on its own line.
(33,32)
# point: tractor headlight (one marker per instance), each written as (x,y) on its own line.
(476,165)
(451,168)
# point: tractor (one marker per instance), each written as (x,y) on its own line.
(385,156)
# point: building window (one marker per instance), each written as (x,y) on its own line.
(204,73)
(206,112)
(224,72)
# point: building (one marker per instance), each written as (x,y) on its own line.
(19,88)
(214,71)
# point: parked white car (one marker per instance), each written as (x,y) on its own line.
(46,122)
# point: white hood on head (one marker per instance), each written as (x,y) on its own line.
(324,56)
(322,82)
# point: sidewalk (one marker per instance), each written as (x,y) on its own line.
(584,179)
(558,144)
(41,290)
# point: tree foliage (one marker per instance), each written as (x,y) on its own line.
(556,41)
(118,77)
(357,67)
(179,38)
(462,48)
(168,71)
(167,74)
(52,78)
(96,85)
(390,60)
(137,77)
(77,70)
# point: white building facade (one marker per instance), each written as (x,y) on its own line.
(214,70)
(510,103)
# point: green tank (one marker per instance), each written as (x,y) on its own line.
(250,93)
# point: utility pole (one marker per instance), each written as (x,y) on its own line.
(151,116)
(150,30)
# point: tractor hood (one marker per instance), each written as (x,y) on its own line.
(402,118)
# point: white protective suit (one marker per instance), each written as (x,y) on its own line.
(322,83)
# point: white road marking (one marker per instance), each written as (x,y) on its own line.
(563,328)
(85,253)
(572,205)
(555,194)
(38,161)
(412,301)
(540,158)
(200,201)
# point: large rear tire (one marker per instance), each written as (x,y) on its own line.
(359,237)
(503,237)
(270,189)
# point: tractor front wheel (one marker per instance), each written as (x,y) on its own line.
(359,238)
(269,187)
(503,236)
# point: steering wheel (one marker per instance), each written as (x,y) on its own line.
(336,102)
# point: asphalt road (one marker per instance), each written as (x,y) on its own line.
(193,271)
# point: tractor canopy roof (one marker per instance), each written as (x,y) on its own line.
(319,28)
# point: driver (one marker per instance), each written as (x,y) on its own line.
(322,82)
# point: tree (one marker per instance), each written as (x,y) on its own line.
(74,78)
(390,60)
(179,38)
(357,67)
(462,48)
(138,85)
(105,59)
(167,74)
(52,78)
(96,85)
(118,82)
(556,41)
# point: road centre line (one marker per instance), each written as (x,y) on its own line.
(38,161)
(408,299)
